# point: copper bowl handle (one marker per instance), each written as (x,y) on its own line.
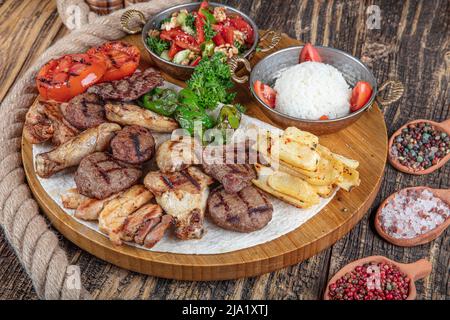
(272,37)
(394,93)
(233,63)
(127,17)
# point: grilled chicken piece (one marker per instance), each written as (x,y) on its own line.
(183,195)
(157,233)
(130,114)
(146,226)
(115,212)
(73,151)
(90,209)
(72,199)
(44,121)
(176,155)
(149,214)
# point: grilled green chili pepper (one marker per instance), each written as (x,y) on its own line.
(188,115)
(161,101)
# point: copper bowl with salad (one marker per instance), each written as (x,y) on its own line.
(179,37)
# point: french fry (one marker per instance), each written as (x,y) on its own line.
(264,173)
(323,191)
(350,179)
(302,137)
(324,151)
(293,186)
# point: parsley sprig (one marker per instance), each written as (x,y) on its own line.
(157,45)
(211,82)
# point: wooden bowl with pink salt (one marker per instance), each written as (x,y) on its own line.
(413,216)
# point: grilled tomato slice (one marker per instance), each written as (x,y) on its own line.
(70,75)
(122,59)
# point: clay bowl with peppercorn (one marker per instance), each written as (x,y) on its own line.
(413,271)
(443,194)
(443,127)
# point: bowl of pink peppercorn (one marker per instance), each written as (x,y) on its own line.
(377,278)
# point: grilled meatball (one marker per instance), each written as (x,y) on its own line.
(84,111)
(133,144)
(246,211)
(100,176)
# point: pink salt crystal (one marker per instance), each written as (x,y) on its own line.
(412,213)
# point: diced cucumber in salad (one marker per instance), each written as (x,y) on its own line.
(187,37)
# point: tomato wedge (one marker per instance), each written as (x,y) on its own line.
(122,59)
(361,94)
(324,117)
(240,24)
(199,24)
(228,35)
(218,39)
(196,61)
(70,75)
(265,93)
(309,53)
(174,49)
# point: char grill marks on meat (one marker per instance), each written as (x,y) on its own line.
(100,176)
(228,164)
(176,155)
(44,121)
(146,226)
(133,144)
(245,211)
(130,88)
(84,111)
(182,195)
(234,177)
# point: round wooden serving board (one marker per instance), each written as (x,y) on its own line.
(366,141)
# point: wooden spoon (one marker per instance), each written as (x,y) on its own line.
(440,126)
(443,194)
(415,271)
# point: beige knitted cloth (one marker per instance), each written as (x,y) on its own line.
(25,228)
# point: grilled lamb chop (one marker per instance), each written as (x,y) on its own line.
(130,88)
(234,177)
(182,195)
(228,164)
(246,211)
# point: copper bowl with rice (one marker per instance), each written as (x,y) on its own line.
(353,70)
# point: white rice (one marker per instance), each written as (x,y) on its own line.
(310,90)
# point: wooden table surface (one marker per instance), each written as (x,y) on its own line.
(411,45)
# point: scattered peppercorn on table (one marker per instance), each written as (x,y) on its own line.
(395,49)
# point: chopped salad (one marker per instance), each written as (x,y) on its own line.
(186,37)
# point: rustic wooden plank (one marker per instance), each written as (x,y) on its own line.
(408,47)
(412,51)
(30,27)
